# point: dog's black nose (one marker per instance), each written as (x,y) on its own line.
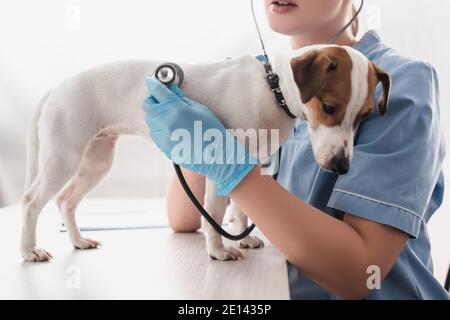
(340,164)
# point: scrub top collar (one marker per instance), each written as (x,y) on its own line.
(368,42)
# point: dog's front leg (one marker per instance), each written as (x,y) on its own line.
(216,206)
(238,223)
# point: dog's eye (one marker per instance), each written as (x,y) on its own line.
(332,66)
(328,109)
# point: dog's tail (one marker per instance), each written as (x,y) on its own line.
(33,144)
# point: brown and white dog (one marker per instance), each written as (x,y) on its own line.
(73,133)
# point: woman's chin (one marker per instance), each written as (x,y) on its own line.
(285,28)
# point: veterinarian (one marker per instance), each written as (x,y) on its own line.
(359,235)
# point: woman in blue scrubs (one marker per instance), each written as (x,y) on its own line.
(337,232)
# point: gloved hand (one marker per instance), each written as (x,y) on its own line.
(179,126)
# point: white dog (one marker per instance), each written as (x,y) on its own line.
(75,128)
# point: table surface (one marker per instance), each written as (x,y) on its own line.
(147,262)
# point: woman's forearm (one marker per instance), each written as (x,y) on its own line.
(329,251)
(182,215)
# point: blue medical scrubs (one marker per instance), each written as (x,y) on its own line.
(395,177)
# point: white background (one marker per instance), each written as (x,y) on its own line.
(41,42)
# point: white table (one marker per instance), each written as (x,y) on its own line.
(147,263)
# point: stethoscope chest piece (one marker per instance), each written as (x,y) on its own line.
(169,72)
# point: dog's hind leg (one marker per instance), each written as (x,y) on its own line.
(238,223)
(56,167)
(33,143)
(95,164)
(216,206)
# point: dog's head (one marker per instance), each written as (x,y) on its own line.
(336,87)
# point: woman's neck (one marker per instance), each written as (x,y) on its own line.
(322,37)
(327,32)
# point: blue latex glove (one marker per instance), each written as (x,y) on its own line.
(174,118)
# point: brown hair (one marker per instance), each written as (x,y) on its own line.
(355,23)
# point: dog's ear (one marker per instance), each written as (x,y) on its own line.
(310,71)
(385,80)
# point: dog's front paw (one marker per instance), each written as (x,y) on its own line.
(251,242)
(36,255)
(86,243)
(225,254)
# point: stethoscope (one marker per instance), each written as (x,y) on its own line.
(169,72)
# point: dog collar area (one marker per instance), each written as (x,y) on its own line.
(274,82)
